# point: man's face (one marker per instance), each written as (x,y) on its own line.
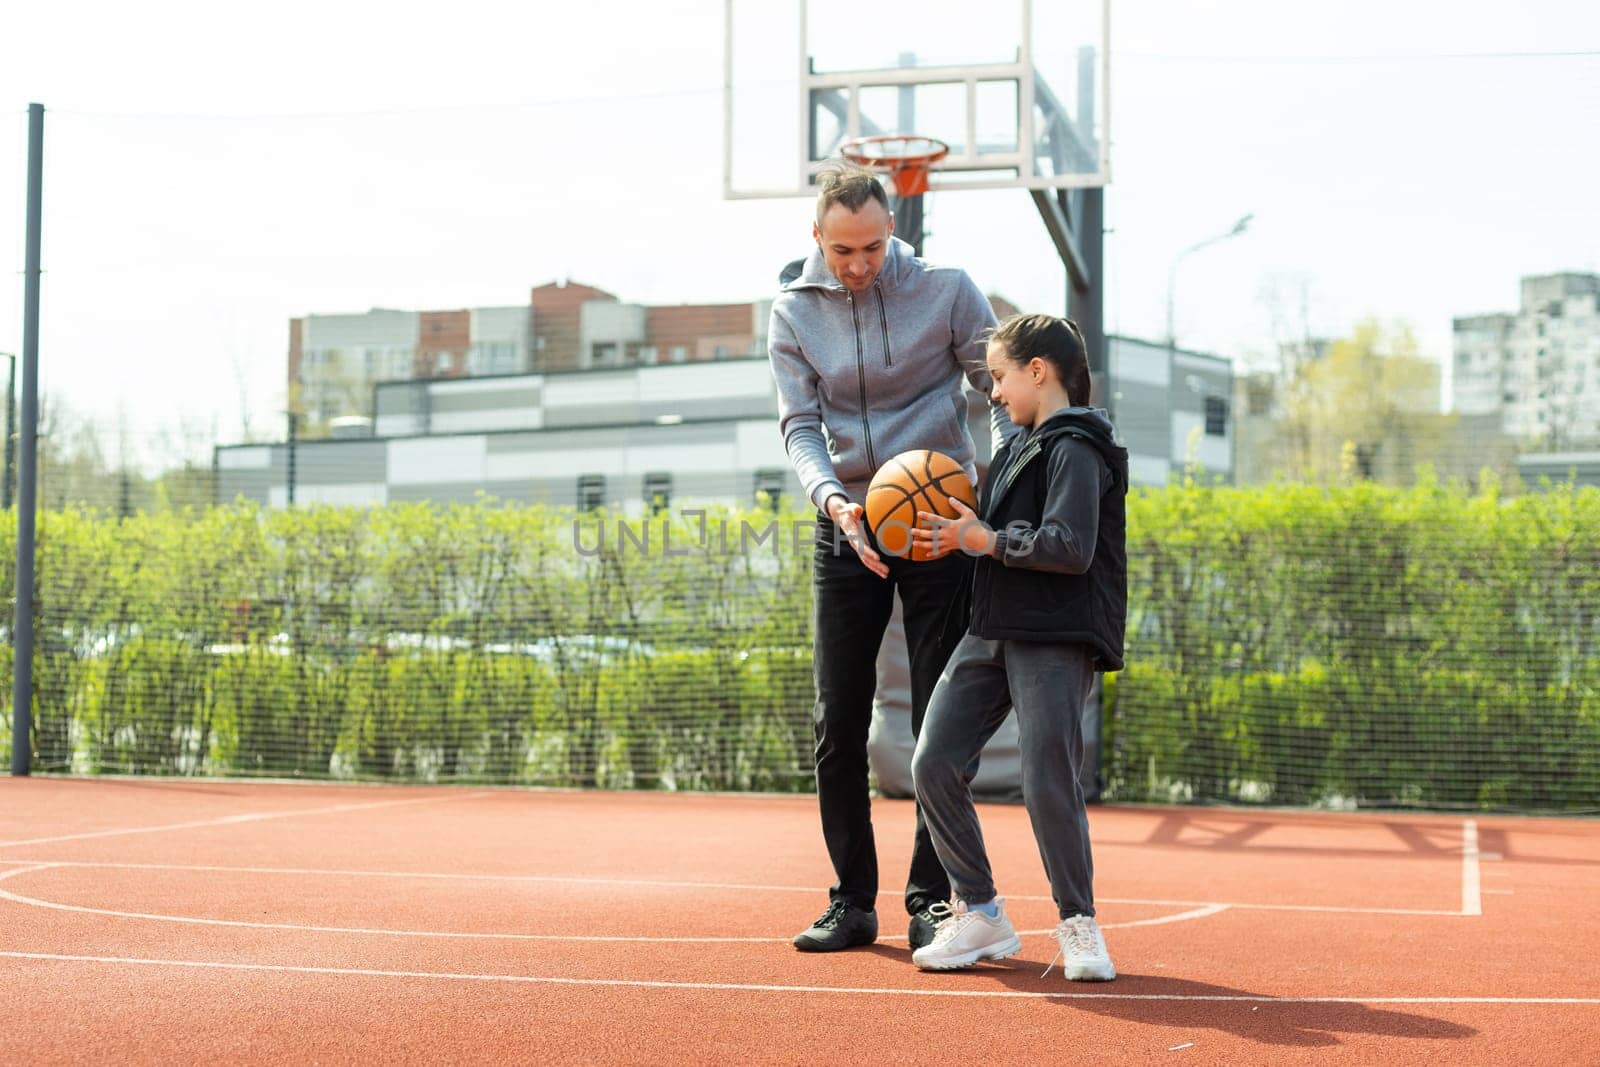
(854,243)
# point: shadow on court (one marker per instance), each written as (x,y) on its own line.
(1232,831)
(1267,1022)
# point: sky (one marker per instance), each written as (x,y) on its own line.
(215,170)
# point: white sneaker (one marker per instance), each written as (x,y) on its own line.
(1083,954)
(963,937)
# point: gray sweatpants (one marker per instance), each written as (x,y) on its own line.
(1047,684)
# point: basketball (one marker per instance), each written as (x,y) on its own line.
(918,480)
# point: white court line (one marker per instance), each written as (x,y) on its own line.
(751,987)
(738,887)
(1471,895)
(191,920)
(1182,916)
(229,820)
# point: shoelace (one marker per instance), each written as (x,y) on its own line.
(831,917)
(1079,934)
(948,920)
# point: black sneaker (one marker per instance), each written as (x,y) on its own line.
(842,926)
(923,922)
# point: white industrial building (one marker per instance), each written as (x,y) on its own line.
(632,437)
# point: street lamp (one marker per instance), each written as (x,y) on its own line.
(1172,275)
(1172,330)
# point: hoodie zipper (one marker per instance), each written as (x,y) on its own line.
(883,322)
(861,378)
(1012,472)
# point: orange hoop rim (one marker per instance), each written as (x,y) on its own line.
(907,157)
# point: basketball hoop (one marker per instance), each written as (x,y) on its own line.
(907,158)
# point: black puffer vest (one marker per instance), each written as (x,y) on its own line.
(1018,604)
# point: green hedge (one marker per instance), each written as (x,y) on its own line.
(1371,645)
(472,643)
(1287,644)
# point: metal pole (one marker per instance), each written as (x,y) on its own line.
(294,429)
(8,488)
(1088,310)
(22,675)
(908,220)
(1172,352)
(1086,307)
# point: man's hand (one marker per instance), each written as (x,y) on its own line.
(938,536)
(847,517)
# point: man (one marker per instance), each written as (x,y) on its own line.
(868,347)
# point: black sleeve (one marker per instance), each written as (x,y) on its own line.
(1065,538)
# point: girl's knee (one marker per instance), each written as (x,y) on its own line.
(1055,757)
(931,769)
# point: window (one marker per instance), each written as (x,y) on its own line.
(604,354)
(493,357)
(1216,417)
(680,353)
(1259,397)
(647,355)
(1366,456)
(770,483)
(657,491)
(591,491)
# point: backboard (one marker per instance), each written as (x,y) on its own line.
(1017,89)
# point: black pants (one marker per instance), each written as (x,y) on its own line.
(852,610)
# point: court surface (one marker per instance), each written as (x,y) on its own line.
(148,920)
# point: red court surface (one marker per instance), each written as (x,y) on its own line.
(182,920)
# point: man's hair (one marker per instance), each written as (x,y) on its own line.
(1058,342)
(843,182)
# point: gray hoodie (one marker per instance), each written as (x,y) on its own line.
(864,377)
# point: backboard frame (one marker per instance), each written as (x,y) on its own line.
(1032,93)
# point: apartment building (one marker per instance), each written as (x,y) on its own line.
(580,327)
(336,360)
(1538,368)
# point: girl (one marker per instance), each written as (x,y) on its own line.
(1049,601)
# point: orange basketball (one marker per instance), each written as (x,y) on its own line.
(918,480)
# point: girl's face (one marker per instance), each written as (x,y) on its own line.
(1016,385)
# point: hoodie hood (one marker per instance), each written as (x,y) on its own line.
(1091,425)
(898,261)
(1094,426)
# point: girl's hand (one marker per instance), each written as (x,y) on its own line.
(936,536)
